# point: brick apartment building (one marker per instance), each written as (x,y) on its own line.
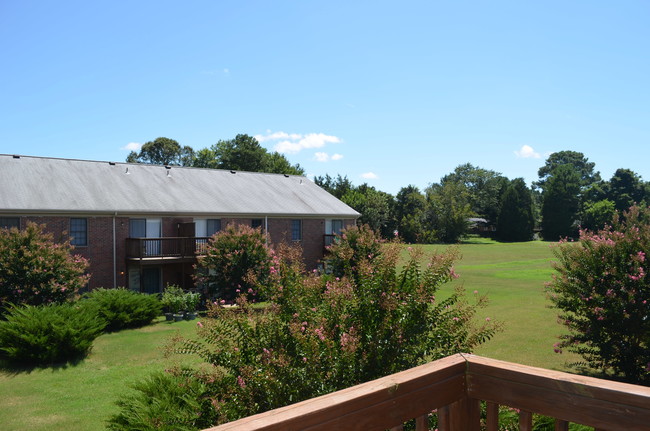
(141,226)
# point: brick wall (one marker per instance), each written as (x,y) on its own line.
(99,250)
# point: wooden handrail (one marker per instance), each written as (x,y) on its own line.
(180,247)
(454,385)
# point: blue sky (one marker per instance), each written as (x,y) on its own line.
(389,93)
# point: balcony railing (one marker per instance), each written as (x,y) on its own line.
(453,388)
(169,247)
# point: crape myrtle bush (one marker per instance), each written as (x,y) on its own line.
(603,293)
(122,309)
(236,260)
(322,333)
(36,270)
(48,334)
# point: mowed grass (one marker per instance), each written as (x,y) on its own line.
(82,396)
(513,276)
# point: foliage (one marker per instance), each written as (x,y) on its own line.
(163,401)
(121,308)
(484,187)
(192,300)
(448,211)
(577,161)
(337,187)
(410,207)
(36,270)
(625,189)
(173,299)
(48,334)
(236,260)
(561,204)
(516,222)
(162,151)
(322,333)
(596,215)
(356,245)
(244,153)
(374,206)
(602,291)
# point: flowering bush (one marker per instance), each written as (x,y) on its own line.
(322,333)
(603,292)
(236,260)
(36,270)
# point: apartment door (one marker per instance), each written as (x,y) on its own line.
(151,280)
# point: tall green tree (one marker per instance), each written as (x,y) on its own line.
(596,215)
(375,207)
(410,206)
(243,153)
(625,189)
(516,221)
(576,160)
(448,211)
(337,187)
(484,188)
(162,151)
(561,203)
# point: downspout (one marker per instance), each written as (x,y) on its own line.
(114,255)
(266,230)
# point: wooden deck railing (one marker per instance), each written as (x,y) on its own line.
(454,387)
(169,247)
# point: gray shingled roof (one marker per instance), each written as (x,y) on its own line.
(47,185)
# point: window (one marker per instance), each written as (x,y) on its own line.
(296,230)
(257,222)
(337,227)
(213,225)
(206,227)
(9,222)
(79,231)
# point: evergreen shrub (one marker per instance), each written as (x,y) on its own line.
(48,334)
(163,401)
(122,309)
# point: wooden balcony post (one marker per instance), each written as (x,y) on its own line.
(561,425)
(525,421)
(492,416)
(463,415)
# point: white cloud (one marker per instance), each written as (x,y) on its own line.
(369,176)
(295,142)
(527,152)
(322,157)
(132,146)
(337,156)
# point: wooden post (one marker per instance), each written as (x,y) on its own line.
(422,423)
(492,416)
(561,425)
(525,421)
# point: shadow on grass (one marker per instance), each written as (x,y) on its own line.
(12,368)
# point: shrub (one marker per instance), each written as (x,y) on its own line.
(603,293)
(236,260)
(48,334)
(324,333)
(173,299)
(121,308)
(36,270)
(355,245)
(163,402)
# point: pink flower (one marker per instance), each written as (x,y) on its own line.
(199,324)
(304,359)
(487,319)
(241,382)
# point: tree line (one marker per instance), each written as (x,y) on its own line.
(570,194)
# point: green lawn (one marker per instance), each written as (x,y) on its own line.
(81,397)
(513,277)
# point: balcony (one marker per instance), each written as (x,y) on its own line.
(453,388)
(169,248)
